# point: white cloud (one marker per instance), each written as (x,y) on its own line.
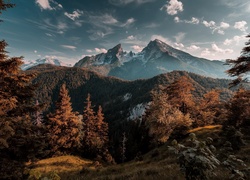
(179,37)
(235,40)
(179,45)
(241,25)
(216,28)
(100,50)
(166,40)
(193,48)
(74,15)
(207,53)
(131,37)
(173,7)
(224,25)
(69,47)
(35,51)
(89,50)
(210,24)
(137,48)
(193,20)
(44,4)
(152,25)
(219,50)
(60,6)
(125,2)
(48,34)
(133,40)
(177,19)
(128,22)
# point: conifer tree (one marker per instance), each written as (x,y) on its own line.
(240,66)
(180,94)
(209,108)
(101,128)
(16,129)
(239,108)
(89,128)
(64,126)
(162,118)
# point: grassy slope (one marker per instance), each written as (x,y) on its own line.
(157,164)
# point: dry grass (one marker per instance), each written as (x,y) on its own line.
(157,164)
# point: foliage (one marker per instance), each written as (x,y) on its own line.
(162,118)
(94,132)
(64,126)
(241,65)
(239,109)
(210,109)
(197,161)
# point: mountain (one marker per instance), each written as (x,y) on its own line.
(47,60)
(120,99)
(156,58)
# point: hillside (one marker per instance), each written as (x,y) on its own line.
(121,100)
(160,163)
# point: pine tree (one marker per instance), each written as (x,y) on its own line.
(16,129)
(180,94)
(241,66)
(209,108)
(239,109)
(162,118)
(102,128)
(64,126)
(89,128)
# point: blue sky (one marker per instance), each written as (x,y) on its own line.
(70,30)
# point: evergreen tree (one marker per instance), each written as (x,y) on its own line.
(209,108)
(241,66)
(101,129)
(64,126)
(89,128)
(180,94)
(162,118)
(17,134)
(239,109)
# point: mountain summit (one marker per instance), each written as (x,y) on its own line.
(156,58)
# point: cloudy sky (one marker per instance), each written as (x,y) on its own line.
(69,30)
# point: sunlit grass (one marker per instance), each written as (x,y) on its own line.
(156,164)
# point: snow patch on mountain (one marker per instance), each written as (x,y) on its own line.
(137,111)
(47,60)
(127,97)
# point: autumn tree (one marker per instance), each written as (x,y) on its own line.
(180,94)
(95,132)
(241,65)
(17,137)
(89,128)
(101,129)
(162,118)
(209,108)
(239,108)
(64,126)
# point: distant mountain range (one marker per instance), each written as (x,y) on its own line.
(156,58)
(47,60)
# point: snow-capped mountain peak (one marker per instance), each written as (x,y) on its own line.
(46,60)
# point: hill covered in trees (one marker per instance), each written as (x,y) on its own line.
(119,98)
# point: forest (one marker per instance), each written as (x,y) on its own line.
(37,123)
